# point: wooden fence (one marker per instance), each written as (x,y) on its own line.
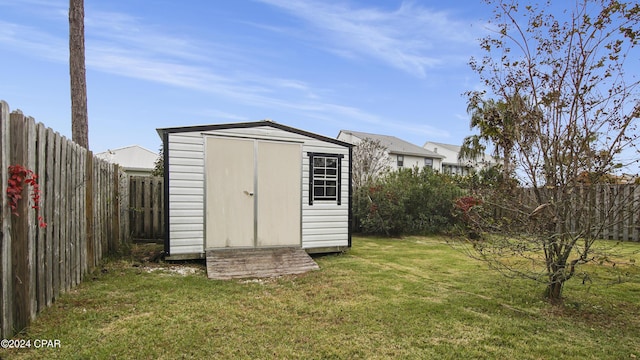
(83,201)
(624,199)
(146,208)
(605,211)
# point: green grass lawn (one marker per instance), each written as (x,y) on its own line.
(398,298)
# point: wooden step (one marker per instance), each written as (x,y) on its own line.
(256,263)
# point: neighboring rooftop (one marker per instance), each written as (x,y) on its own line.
(133,157)
(394,144)
(450,147)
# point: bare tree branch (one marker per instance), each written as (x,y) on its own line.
(564,116)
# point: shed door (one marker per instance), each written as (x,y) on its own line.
(253,192)
(230,201)
(279,193)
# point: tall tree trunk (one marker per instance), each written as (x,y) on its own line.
(554,290)
(79,116)
(506,171)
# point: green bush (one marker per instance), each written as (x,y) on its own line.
(406,202)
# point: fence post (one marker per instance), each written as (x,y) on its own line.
(91,259)
(6,282)
(42,266)
(156,207)
(56,216)
(62,258)
(123,192)
(82,215)
(48,216)
(115,208)
(22,239)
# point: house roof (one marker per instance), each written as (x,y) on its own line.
(242,125)
(450,147)
(395,145)
(133,157)
(456,149)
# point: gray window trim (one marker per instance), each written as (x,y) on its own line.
(338,158)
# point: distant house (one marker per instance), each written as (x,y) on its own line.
(134,159)
(401,154)
(450,162)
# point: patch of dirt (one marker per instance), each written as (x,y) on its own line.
(149,258)
(260,281)
(181,270)
(147,252)
(597,316)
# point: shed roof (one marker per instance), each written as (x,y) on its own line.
(241,125)
(395,145)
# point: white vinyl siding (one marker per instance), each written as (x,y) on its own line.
(408,162)
(186,193)
(324,224)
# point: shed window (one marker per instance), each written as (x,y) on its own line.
(400,160)
(324,177)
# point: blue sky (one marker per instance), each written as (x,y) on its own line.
(391,67)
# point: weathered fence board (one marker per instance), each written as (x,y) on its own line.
(6,278)
(80,200)
(146,198)
(57,215)
(48,215)
(90,249)
(41,286)
(607,211)
(64,185)
(22,261)
(123,217)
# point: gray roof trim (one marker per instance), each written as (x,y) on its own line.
(201,128)
(396,145)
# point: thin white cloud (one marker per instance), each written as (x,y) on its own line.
(411,38)
(45,8)
(30,40)
(426,130)
(148,55)
(129,32)
(217,114)
(461,116)
(127,47)
(40,3)
(123,45)
(244,87)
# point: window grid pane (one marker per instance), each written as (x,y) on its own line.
(325,176)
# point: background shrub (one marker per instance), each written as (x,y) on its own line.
(407,201)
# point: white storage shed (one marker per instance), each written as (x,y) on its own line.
(254,185)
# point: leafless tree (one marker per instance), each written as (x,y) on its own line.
(575,123)
(370,160)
